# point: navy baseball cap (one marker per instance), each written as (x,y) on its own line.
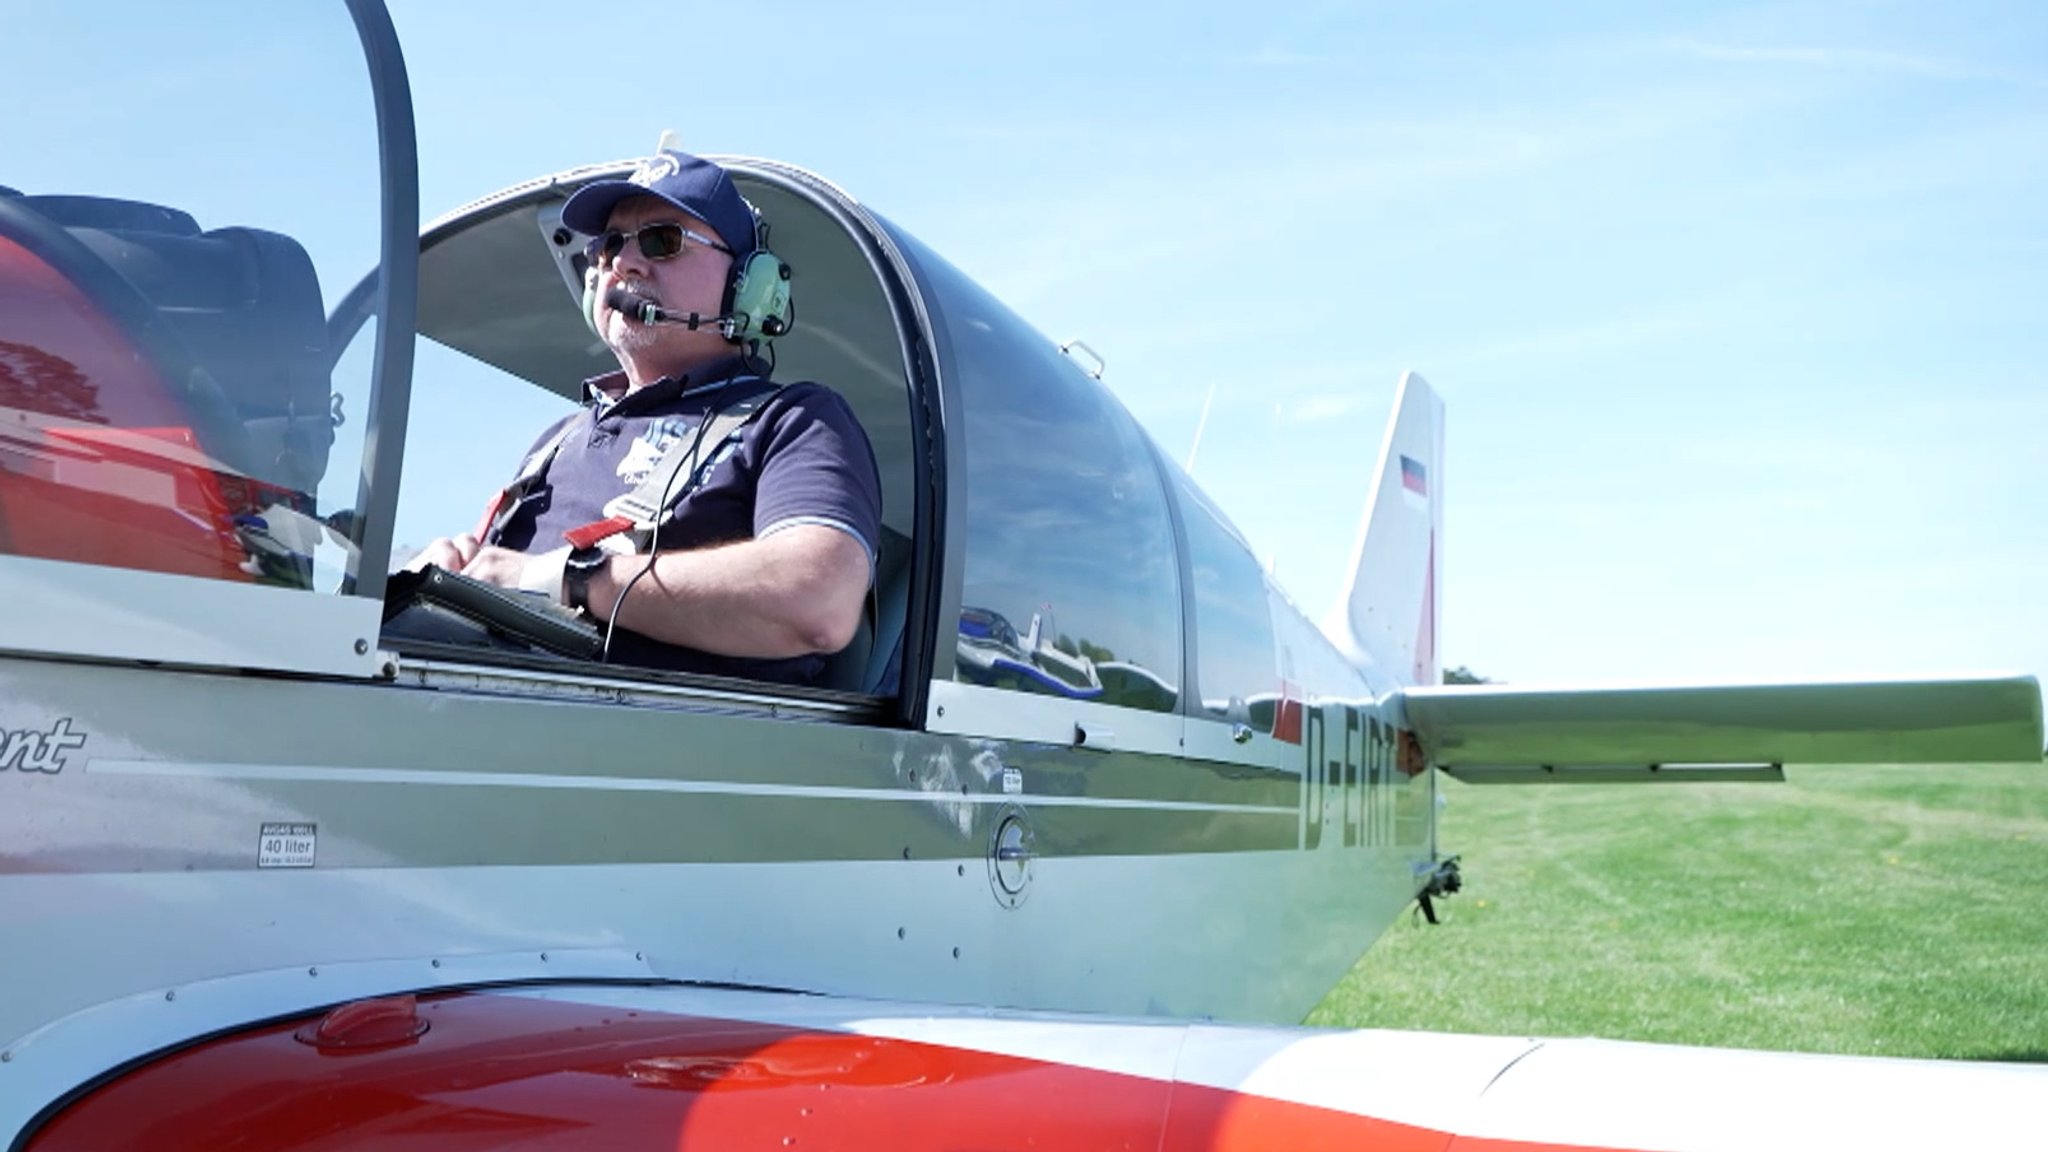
(691,183)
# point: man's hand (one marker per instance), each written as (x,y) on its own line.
(492,565)
(451,553)
(500,566)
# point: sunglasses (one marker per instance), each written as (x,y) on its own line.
(657,242)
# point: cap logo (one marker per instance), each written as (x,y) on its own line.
(654,168)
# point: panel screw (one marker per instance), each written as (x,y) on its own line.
(543,957)
(312,971)
(899,933)
(437,963)
(362,647)
(956,953)
(171,995)
(5,1057)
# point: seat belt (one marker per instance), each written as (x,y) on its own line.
(639,512)
(508,499)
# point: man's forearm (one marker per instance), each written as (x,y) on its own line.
(792,593)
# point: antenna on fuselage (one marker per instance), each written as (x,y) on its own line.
(1195,447)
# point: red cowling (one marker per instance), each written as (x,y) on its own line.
(512,1072)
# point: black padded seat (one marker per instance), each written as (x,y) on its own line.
(892,608)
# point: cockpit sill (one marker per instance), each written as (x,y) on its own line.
(433,667)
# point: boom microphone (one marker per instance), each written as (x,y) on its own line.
(638,307)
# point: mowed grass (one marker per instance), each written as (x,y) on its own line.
(1885,911)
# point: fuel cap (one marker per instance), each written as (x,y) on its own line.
(1009,858)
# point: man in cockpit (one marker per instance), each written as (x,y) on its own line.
(722,523)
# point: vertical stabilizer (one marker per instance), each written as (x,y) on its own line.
(1387,615)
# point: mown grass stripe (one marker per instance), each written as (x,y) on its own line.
(1891,910)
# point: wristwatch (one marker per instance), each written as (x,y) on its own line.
(576,573)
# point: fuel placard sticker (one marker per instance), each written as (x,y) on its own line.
(287,845)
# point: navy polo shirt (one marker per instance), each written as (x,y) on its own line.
(802,459)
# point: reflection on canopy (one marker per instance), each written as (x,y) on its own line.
(1065,514)
(167,391)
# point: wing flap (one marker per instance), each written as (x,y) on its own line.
(1499,733)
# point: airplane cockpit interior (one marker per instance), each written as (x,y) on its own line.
(242,437)
(501,285)
(267,374)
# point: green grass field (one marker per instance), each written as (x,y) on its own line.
(1894,911)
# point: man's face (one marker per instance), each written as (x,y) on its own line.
(692,280)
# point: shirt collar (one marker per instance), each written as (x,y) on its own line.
(607,391)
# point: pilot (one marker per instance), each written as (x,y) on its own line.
(711,520)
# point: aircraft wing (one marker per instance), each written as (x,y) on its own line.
(1508,734)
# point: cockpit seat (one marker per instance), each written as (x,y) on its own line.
(892,607)
(866,665)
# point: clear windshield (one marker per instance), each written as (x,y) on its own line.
(182,201)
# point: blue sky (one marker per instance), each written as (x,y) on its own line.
(1735,308)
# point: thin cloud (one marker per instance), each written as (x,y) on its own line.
(1835,59)
(1594,337)
(1279,56)
(1317,409)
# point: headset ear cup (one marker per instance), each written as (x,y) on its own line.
(760,292)
(590,300)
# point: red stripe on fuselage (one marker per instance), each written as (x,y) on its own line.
(495,1072)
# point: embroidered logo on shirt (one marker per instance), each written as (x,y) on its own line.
(646,449)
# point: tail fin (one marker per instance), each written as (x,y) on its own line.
(1388,613)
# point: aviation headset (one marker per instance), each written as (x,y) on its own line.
(755,307)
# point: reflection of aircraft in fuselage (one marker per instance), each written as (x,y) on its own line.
(464,892)
(995,654)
